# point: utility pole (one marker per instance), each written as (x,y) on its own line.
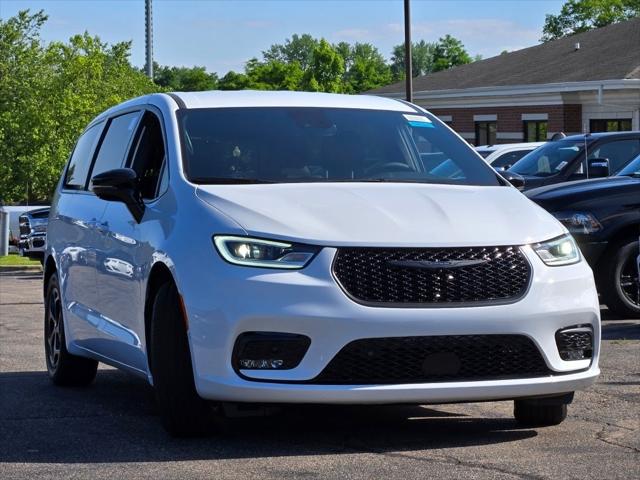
(407,52)
(148,38)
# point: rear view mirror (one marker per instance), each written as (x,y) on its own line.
(513,178)
(598,168)
(120,185)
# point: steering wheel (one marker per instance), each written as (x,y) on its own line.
(388,167)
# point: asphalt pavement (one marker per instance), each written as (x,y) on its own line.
(111,430)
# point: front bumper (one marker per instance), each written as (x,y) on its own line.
(309,302)
(33,246)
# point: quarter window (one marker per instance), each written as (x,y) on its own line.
(115,143)
(535,130)
(148,155)
(486,133)
(76,175)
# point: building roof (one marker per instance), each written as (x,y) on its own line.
(608,53)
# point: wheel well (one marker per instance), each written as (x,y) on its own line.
(630,232)
(49,269)
(160,274)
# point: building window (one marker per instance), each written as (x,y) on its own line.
(486,133)
(535,130)
(616,125)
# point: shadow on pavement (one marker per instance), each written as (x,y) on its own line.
(623,330)
(115,420)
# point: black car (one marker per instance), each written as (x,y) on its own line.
(604,217)
(577,157)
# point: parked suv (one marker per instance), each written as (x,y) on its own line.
(280,247)
(578,157)
(604,217)
(33,233)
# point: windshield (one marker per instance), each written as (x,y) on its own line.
(548,159)
(632,169)
(286,144)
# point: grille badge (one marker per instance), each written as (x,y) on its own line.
(436,265)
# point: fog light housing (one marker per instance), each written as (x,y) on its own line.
(269,350)
(575,343)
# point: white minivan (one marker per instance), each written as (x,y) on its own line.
(280,247)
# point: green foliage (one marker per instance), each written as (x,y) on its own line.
(325,70)
(449,52)
(427,58)
(184,79)
(48,94)
(578,16)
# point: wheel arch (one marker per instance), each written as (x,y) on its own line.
(49,269)
(159,275)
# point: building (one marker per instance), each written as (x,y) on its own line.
(588,82)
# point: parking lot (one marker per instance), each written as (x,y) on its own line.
(111,430)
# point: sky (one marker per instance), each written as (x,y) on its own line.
(222,35)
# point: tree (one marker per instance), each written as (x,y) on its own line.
(421,59)
(578,16)
(48,94)
(449,52)
(300,48)
(185,79)
(273,75)
(233,81)
(324,73)
(365,67)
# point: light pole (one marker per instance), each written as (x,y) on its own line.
(408,73)
(148,39)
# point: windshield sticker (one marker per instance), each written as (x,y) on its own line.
(561,165)
(418,121)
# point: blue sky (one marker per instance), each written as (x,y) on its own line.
(222,34)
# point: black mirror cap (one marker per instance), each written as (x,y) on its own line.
(598,168)
(513,178)
(119,185)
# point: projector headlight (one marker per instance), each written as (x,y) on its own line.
(579,222)
(255,252)
(558,251)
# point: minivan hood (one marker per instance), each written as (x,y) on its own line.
(383,214)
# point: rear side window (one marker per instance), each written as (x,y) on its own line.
(115,142)
(76,175)
(509,158)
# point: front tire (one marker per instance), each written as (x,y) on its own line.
(620,287)
(538,415)
(64,368)
(182,411)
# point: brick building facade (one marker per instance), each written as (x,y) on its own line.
(588,82)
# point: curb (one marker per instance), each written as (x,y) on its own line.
(9,269)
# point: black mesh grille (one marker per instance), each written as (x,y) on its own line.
(434,359)
(574,345)
(414,276)
(25,228)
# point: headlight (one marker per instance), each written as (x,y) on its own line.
(559,251)
(255,252)
(578,222)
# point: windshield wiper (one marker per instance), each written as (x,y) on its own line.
(228,180)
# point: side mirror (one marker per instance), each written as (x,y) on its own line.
(120,185)
(598,168)
(513,178)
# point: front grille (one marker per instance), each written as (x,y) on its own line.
(25,227)
(432,276)
(443,358)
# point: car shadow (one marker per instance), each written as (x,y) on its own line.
(115,420)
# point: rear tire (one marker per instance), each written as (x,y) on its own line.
(182,411)
(534,415)
(619,279)
(64,368)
